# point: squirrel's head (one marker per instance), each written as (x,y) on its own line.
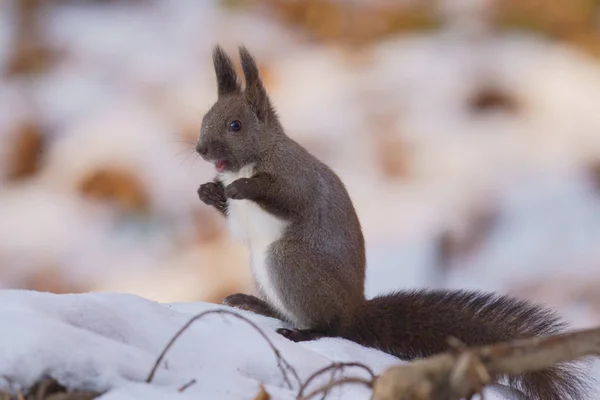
(242,125)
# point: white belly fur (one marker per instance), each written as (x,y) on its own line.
(258,229)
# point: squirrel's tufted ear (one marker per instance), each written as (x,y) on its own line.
(255,92)
(227,81)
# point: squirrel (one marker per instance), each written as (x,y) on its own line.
(307,250)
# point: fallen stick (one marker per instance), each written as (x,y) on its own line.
(462,373)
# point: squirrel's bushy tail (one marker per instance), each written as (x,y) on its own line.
(415,324)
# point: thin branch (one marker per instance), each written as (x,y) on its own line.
(528,355)
(335,367)
(282,364)
(459,374)
(331,385)
(332,379)
(187,385)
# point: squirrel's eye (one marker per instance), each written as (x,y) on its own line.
(235,125)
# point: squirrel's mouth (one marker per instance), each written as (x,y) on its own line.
(220,165)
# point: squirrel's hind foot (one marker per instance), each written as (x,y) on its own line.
(298,335)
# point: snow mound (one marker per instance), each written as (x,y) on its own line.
(110,341)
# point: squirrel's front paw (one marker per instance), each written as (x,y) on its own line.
(238,189)
(212,194)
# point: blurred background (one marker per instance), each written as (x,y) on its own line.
(466,131)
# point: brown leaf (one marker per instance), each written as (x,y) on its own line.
(573,21)
(52,280)
(121,186)
(50,389)
(394,157)
(393,151)
(491,99)
(30,54)
(553,17)
(27,152)
(262,394)
(353,23)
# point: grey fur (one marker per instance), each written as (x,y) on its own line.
(317,267)
(227,82)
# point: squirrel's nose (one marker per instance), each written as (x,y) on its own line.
(202,149)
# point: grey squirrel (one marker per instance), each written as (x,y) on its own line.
(307,250)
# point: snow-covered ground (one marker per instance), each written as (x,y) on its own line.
(119,337)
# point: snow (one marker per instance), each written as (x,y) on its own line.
(110,341)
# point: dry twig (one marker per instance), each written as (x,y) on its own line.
(187,385)
(463,372)
(455,375)
(325,389)
(335,367)
(332,380)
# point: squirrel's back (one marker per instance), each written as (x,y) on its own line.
(415,324)
(328,224)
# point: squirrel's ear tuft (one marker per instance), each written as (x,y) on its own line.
(255,92)
(227,81)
